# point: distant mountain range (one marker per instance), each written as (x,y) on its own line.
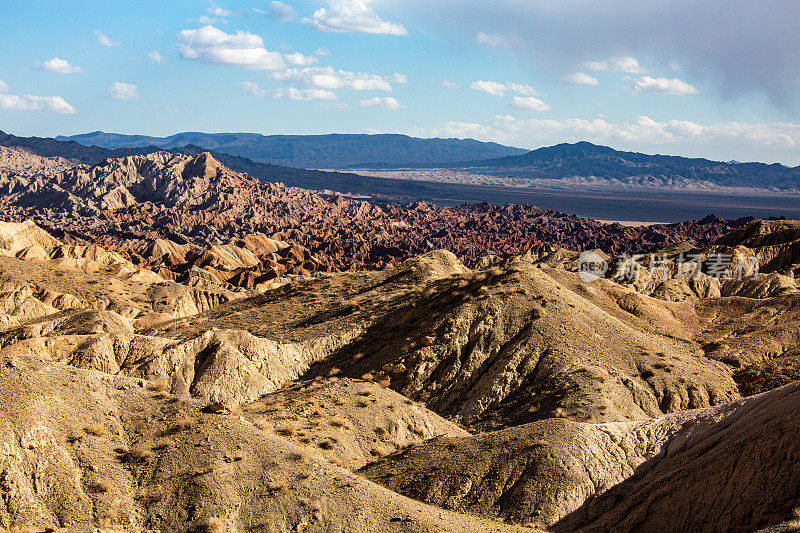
(581,162)
(314,151)
(584,159)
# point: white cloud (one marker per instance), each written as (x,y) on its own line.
(54,104)
(103,39)
(123,91)
(447,84)
(498,89)
(305,94)
(322,51)
(641,134)
(492,40)
(329,78)
(623,63)
(253,88)
(291,92)
(663,85)
(400,78)
(530,103)
(216,11)
(674,65)
(280,11)
(3,87)
(580,78)
(519,88)
(207,20)
(155,57)
(352,16)
(386,102)
(242,49)
(61,66)
(489,87)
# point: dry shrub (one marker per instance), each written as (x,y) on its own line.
(164,443)
(288,428)
(385,383)
(339,422)
(138,454)
(98,429)
(184,422)
(212,525)
(300,457)
(274,487)
(367,377)
(103,484)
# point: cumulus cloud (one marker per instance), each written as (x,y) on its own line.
(385,102)
(330,78)
(400,78)
(580,78)
(280,11)
(61,66)
(216,11)
(344,16)
(649,84)
(489,87)
(290,93)
(492,40)
(703,36)
(447,84)
(749,140)
(499,89)
(624,64)
(54,104)
(3,87)
(530,103)
(242,49)
(123,91)
(103,39)
(155,57)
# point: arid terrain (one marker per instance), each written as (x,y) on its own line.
(186,348)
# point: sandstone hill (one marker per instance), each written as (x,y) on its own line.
(426,396)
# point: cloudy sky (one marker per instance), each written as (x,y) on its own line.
(712,78)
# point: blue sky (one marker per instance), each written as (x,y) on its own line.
(713,78)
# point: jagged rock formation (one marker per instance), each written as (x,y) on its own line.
(175,211)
